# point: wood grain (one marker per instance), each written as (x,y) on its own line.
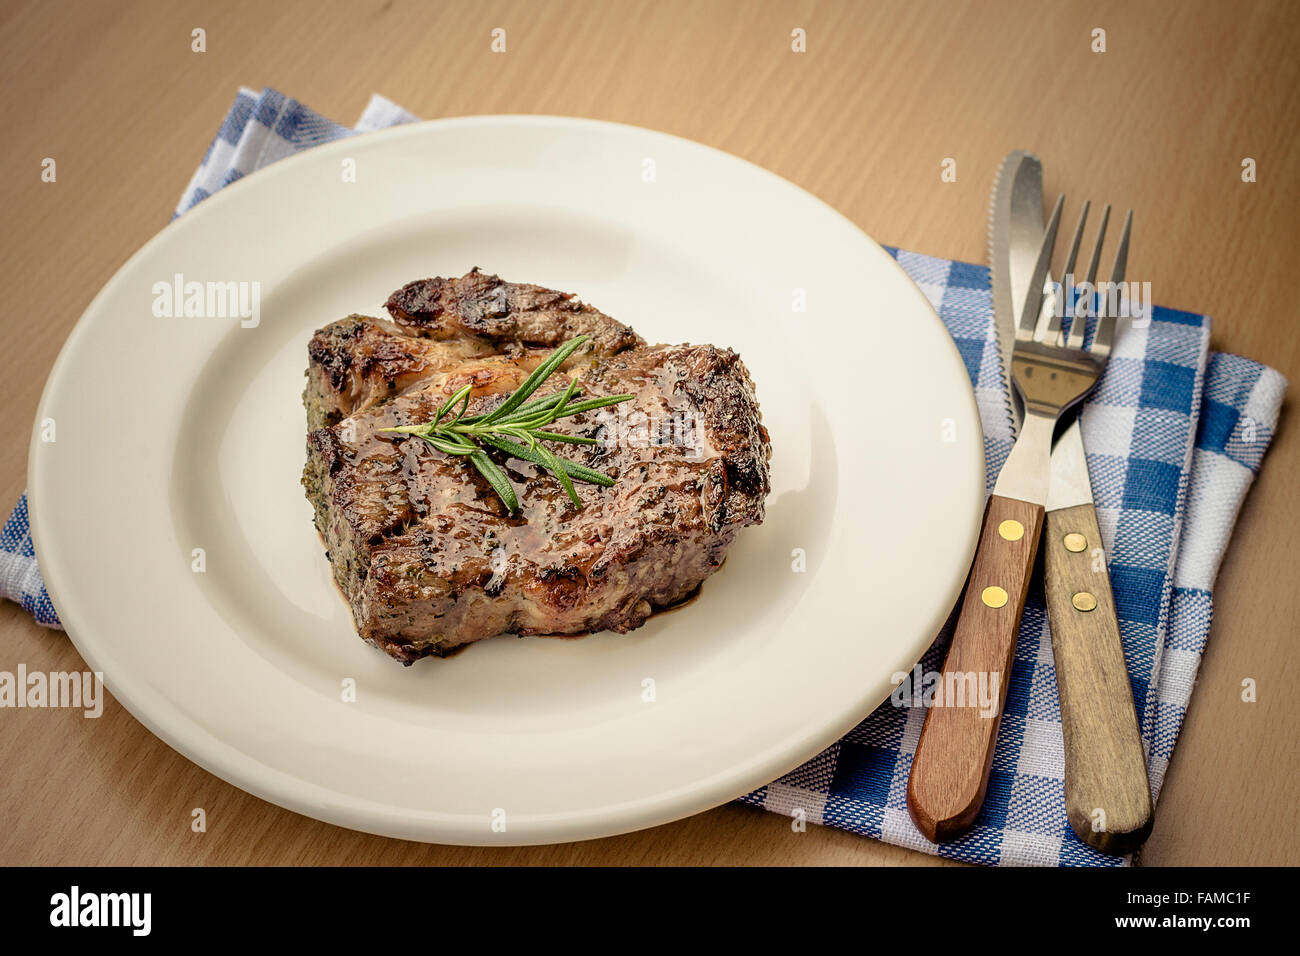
(885,92)
(1107,794)
(950,770)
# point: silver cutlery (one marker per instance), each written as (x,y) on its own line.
(1051,373)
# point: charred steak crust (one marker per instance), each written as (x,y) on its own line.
(484,306)
(426,554)
(484,327)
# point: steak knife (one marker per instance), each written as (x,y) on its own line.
(1015,230)
(1107,794)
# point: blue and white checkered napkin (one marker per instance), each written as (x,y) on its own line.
(1174,434)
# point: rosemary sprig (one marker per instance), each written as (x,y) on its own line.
(518,427)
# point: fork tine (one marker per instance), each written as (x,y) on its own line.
(1034,297)
(1121,254)
(1074,243)
(1096,250)
(1053,332)
(1080,323)
(1105,336)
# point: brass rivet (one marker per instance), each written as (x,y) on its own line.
(994,596)
(1075,542)
(1011,529)
(1084,601)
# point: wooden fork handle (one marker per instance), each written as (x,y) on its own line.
(950,771)
(1107,794)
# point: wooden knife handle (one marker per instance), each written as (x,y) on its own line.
(950,771)
(1107,794)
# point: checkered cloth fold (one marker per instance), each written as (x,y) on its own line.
(1175,435)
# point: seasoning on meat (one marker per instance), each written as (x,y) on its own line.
(426,553)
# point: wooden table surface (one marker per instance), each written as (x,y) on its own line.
(1160,121)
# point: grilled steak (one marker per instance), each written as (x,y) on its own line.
(428,556)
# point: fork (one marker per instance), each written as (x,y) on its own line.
(1107,791)
(1052,372)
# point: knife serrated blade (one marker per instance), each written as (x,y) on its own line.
(1015,230)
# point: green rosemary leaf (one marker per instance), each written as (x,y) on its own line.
(532,421)
(580,472)
(593,403)
(534,381)
(518,433)
(464,403)
(462,396)
(449,444)
(523,411)
(518,427)
(556,468)
(569,439)
(558,409)
(490,470)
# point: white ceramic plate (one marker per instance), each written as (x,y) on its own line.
(176,434)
